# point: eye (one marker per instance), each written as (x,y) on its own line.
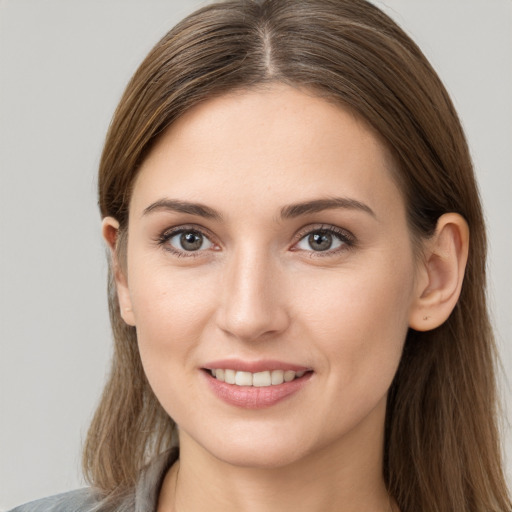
(324,240)
(186,240)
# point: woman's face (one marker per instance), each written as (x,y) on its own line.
(266,237)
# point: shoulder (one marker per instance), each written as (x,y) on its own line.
(143,497)
(81,500)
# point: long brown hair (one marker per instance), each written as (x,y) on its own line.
(442,450)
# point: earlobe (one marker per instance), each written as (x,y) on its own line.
(110,231)
(441,273)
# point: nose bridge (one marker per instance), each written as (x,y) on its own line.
(252,304)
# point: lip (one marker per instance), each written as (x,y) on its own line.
(249,397)
(254,366)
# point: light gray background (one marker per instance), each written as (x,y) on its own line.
(63,66)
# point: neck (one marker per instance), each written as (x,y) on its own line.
(345,476)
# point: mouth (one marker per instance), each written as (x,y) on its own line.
(255,384)
(257,389)
(262,379)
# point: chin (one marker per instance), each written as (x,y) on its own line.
(259,457)
(265,449)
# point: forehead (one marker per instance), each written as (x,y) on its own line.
(277,145)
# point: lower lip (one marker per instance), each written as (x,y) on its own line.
(250,397)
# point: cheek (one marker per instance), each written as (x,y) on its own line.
(171,310)
(359,318)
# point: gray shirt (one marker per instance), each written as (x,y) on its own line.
(142,498)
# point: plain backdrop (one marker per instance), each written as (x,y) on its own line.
(63,67)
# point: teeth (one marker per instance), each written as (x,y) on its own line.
(277,377)
(229,376)
(259,379)
(289,375)
(243,379)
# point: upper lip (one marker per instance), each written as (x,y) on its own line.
(254,366)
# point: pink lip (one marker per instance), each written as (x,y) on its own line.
(249,397)
(254,366)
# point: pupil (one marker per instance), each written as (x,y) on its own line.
(320,241)
(191,241)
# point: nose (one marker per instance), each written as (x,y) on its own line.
(253,301)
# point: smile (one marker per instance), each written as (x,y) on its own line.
(255,390)
(259,379)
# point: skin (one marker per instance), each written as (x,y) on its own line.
(257,289)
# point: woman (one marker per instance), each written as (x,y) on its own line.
(289,202)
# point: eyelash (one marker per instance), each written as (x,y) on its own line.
(163,240)
(345,237)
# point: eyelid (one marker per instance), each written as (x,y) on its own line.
(348,239)
(163,238)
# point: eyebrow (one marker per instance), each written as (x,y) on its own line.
(317,205)
(290,211)
(174,205)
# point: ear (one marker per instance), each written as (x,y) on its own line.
(440,273)
(110,231)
